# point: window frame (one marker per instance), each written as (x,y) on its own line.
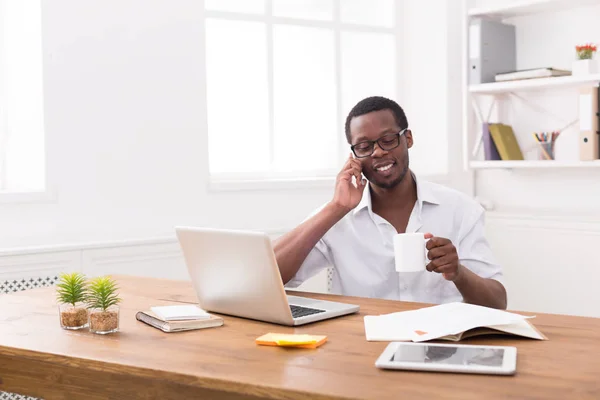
(311,179)
(45,195)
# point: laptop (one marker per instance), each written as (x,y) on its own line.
(235,273)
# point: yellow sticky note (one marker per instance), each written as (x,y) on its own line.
(283,340)
(291,340)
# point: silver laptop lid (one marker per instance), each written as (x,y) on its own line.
(235,272)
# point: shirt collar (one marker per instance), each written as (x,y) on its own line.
(425,194)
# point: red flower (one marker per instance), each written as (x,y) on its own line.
(588,47)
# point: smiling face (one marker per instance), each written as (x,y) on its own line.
(384,168)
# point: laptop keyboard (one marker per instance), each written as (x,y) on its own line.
(298,311)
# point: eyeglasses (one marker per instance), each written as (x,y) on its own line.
(386,142)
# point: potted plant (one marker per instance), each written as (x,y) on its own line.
(71,295)
(102,301)
(585,64)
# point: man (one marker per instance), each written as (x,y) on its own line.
(354,231)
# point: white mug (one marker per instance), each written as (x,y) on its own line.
(410,252)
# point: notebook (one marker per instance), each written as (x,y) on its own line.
(506,142)
(179,312)
(148,317)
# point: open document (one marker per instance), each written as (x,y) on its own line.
(452,321)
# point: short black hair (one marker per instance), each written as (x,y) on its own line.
(376,103)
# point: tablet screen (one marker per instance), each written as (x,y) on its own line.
(455,355)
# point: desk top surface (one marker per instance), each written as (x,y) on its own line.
(227,358)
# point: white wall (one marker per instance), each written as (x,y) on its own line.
(550,263)
(125,124)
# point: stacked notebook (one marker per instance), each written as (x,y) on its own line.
(178,318)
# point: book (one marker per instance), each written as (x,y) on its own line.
(451,322)
(150,318)
(506,142)
(489,148)
(531,74)
(179,312)
(291,340)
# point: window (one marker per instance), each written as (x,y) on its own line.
(282,76)
(22,154)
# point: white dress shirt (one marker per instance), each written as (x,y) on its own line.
(360,248)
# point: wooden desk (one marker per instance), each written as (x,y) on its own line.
(38,358)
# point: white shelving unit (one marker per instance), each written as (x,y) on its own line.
(527,7)
(533,164)
(535,84)
(500,90)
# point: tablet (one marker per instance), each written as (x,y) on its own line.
(461,358)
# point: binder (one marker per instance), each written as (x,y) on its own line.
(589,124)
(492,50)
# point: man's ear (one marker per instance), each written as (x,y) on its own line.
(409,138)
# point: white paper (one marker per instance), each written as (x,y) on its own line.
(435,322)
(180,312)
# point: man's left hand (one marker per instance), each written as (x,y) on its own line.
(443,256)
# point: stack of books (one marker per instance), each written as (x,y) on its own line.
(178,318)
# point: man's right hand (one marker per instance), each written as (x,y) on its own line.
(292,248)
(347,194)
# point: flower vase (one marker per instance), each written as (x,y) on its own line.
(584,67)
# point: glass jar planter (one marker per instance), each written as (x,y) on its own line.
(104,321)
(73,317)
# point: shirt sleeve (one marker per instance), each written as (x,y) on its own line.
(475,252)
(316,261)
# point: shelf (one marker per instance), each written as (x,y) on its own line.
(536,84)
(533,164)
(526,7)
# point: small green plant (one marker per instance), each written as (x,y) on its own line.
(102,293)
(71,288)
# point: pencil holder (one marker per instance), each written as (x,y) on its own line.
(546,150)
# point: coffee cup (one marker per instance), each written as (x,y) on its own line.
(410,252)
